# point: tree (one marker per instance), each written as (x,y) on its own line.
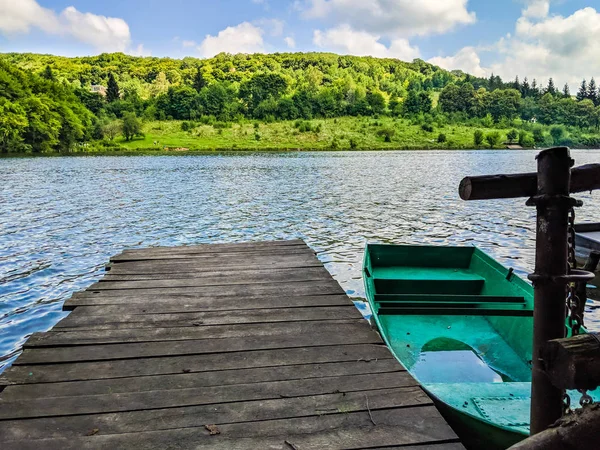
(376,101)
(505,103)
(493,138)
(538,136)
(593,92)
(111,129)
(517,84)
(13,122)
(47,74)
(557,134)
(535,90)
(199,81)
(262,87)
(566,91)
(131,126)
(112,90)
(525,88)
(417,102)
(583,91)
(478,138)
(551,89)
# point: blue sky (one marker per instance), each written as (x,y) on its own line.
(534,38)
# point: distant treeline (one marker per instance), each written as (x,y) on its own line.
(47,103)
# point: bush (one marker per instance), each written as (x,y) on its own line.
(207,120)
(257,136)
(427,127)
(318,129)
(441,138)
(512,135)
(305,127)
(387,134)
(478,138)
(186,126)
(526,140)
(221,125)
(353,144)
(538,136)
(557,134)
(493,138)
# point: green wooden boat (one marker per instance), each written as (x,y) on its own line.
(462,325)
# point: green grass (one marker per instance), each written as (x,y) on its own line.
(335,134)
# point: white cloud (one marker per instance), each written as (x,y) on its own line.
(189,43)
(290,42)
(103,33)
(391,17)
(537,8)
(466,59)
(243,38)
(20,16)
(344,39)
(565,48)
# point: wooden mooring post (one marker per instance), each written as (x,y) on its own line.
(548,190)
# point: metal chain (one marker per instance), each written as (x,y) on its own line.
(574,315)
(574,311)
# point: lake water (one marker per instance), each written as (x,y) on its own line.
(62,218)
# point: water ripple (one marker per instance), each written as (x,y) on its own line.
(62,218)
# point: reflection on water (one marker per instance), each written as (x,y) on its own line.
(62,218)
(457,366)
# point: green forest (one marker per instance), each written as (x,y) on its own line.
(115,102)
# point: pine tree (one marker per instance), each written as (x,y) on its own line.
(112,90)
(551,89)
(593,91)
(525,88)
(566,91)
(199,81)
(48,74)
(535,90)
(492,83)
(517,83)
(583,91)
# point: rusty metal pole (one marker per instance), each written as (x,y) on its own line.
(551,267)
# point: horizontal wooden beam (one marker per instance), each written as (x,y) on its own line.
(584,178)
(573,363)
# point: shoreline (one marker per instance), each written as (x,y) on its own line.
(225,150)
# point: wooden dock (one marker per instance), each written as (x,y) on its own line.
(229,346)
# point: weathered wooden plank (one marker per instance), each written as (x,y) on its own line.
(193,380)
(218,362)
(136,304)
(396,427)
(192,347)
(198,416)
(264,253)
(169,398)
(295,288)
(82,320)
(306,274)
(212,332)
(209,265)
(231,273)
(212,248)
